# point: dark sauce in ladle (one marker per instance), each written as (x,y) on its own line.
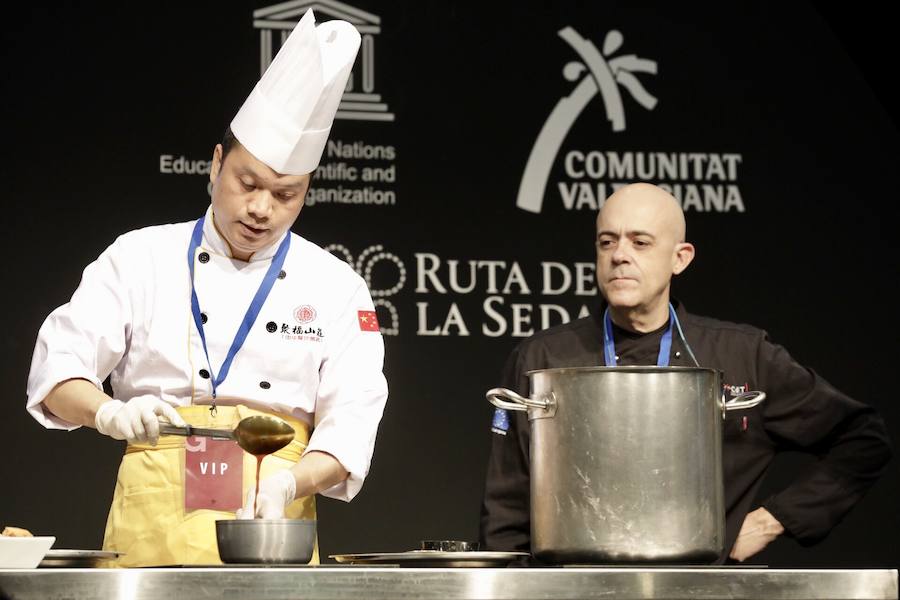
(260,436)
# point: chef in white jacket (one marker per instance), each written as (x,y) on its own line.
(232,315)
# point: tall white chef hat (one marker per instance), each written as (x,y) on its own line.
(287,117)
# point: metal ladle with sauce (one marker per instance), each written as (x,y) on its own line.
(258,435)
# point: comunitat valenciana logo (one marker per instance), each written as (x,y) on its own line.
(702,181)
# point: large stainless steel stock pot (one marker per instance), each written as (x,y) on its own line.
(626,462)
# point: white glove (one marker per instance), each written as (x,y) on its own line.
(136,420)
(275,493)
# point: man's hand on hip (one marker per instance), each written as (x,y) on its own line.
(757,532)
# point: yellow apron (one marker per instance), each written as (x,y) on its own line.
(147,520)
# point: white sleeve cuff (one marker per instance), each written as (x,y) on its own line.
(61,368)
(350,487)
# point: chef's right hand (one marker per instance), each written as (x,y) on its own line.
(275,493)
(136,420)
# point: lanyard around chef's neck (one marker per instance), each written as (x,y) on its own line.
(665,345)
(252,311)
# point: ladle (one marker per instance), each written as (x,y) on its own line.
(257,435)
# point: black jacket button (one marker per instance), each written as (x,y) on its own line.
(265,385)
(204,257)
(282,274)
(204,373)
(271,327)
(203,318)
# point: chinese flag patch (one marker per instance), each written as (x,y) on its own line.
(368,320)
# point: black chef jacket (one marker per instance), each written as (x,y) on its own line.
(802,412)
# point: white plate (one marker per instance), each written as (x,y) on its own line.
(23,552)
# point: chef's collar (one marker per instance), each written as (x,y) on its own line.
(214,241)
(600,304)
(622,333)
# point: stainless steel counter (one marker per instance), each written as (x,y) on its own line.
(262,583)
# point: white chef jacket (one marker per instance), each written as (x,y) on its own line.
(306,355)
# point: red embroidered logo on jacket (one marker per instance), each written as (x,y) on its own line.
(304,314)
(368,320)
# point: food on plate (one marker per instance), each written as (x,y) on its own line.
(16,532)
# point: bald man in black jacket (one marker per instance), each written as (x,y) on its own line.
(640,247)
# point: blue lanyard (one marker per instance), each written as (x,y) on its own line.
(665,345)
(252,311)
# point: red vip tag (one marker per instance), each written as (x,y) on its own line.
(213,474)
(368,320)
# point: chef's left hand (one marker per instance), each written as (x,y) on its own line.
(757,532)
(275,493)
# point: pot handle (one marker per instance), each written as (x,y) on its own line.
(509,400)
(742,401)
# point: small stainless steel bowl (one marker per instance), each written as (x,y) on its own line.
(273,541)
(449,545)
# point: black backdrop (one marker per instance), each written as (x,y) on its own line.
(102,100)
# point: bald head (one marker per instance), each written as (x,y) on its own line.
(640,246)
(648,204)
